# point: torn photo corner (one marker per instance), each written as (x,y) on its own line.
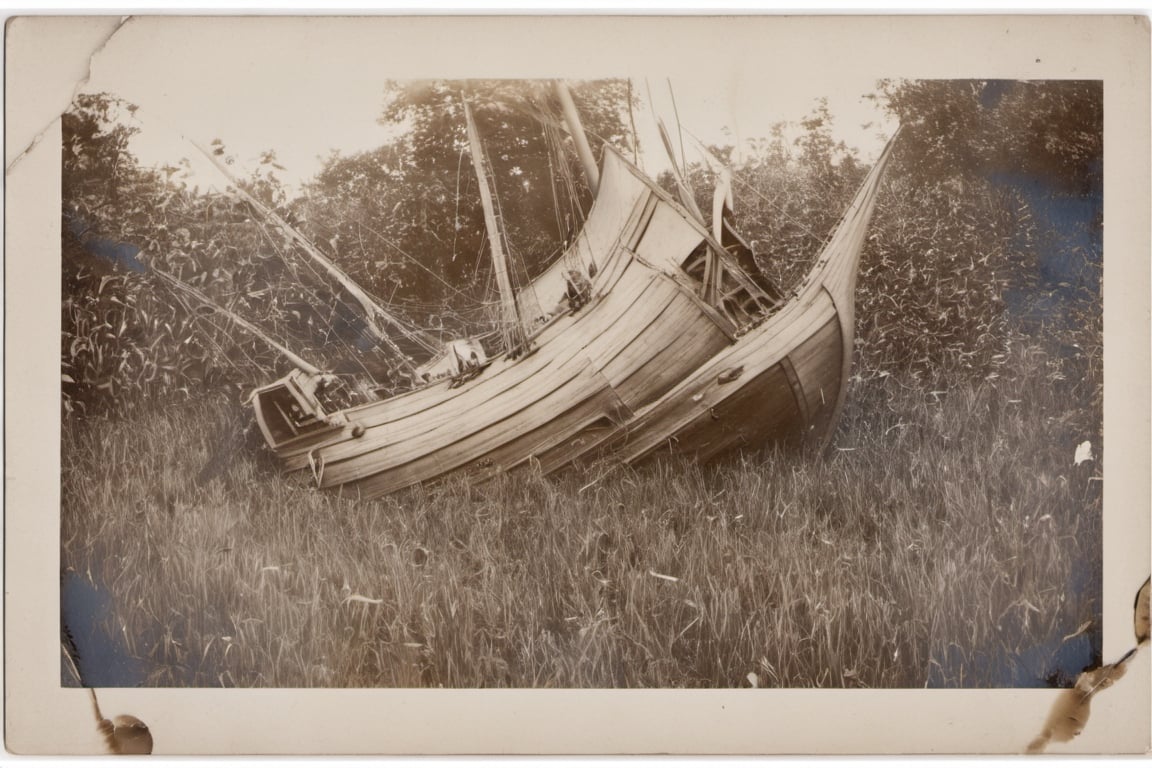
(369,393)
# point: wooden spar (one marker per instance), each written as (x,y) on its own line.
(576,128)
(632,122)
(511,310)
(372,310)
(679,125)
(684,192)
(721,199)
(711,279)
(291,356)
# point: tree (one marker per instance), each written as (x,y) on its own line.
(1051,130)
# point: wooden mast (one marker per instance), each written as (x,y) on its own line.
(576,129)
(514,328)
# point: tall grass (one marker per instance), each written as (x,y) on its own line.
(946,539)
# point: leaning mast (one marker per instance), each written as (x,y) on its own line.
(372,310)
(513,326)
(579,137)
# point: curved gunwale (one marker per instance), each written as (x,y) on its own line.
(508,381)
(547,398)
(602,285)
(639,309)
(409,436)
(494,395)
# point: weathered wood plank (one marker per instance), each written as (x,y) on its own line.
(379,472)
(696,396)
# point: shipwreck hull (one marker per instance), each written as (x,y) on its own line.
(643,330)
(780,383)
(645,366)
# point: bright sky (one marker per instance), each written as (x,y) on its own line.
(306,87)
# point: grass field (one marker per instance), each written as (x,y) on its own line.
(946,539)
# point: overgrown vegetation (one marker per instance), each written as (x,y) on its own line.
(947,539)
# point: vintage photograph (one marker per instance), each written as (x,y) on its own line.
(779,414)
(477,379)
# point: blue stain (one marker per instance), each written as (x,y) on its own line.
(117,253)
(1056,664)
(1069,247)
(364,341)
(120,254)
(993,91)
(351,327)
(86,616)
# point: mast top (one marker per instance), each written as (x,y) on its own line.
(576,128)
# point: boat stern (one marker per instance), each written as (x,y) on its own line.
(288,410)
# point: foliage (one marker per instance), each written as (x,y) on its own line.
(991,225)
(987,229)
(115,337)
(127,334)
(1050,129)
(406,218)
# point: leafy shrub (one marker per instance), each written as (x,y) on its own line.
(131,236)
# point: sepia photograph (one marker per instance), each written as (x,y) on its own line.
(679,376)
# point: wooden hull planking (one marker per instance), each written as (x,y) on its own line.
(784,380)
(642,332)
(495,425)
(646,367)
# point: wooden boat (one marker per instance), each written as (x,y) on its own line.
(667,341)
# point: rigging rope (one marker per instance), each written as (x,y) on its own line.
(416,262)
(632,122)
(456,216)
(513,328)
(293,266)
(560,228)
(679,126)
(555,122)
